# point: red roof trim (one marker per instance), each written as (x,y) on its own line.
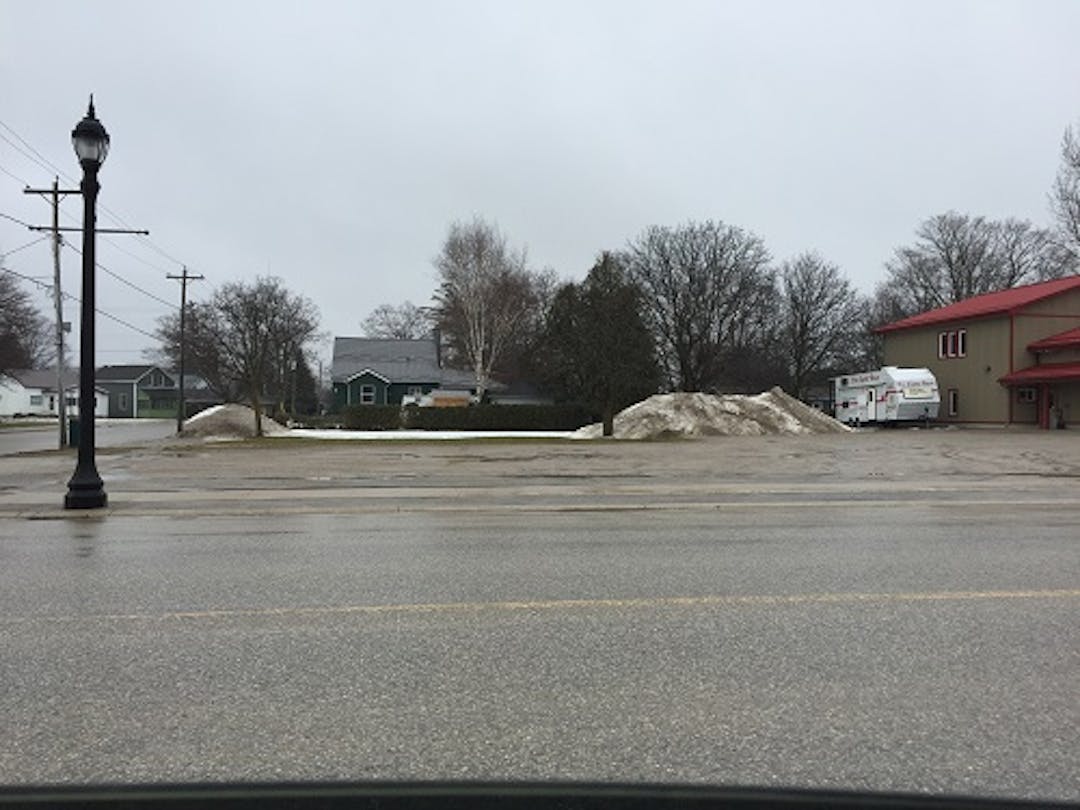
(1048,372)
(996,303)
(1062,340)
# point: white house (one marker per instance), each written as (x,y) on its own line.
(33,393)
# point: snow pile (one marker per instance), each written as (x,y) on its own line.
(666,415)
(230,421)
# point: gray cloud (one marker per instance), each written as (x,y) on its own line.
(332,143)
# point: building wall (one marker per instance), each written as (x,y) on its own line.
(1071,355)
(1043,319)
(1066,398)
(975,377)
(121,402)
(980,397)
(13,397)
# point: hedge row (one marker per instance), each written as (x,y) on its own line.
(477,417)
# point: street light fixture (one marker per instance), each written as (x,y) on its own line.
(91,142)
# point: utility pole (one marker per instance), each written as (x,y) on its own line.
(56,193)
(183,278)
(58,300)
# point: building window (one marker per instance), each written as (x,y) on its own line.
(415,391)
(952,344)
(123,403)
(954,401)
(36,399)
(367,394)
(1026,395)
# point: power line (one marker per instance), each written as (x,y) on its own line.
(44,162)
(15,220)
(135,256)
(14,177)
(6,253)
(31,279)
(100,266)
(123,280)
(40,159)
(22,151)
(78,300)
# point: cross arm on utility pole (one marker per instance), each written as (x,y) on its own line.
(51,229)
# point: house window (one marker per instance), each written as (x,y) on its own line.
(961,342)
(367,394)
(1026,395)
(36,399)
(942,345)
(415,391)
(123,403)
(954,401)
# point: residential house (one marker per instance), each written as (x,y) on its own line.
(376,371)
(25,392)
(135,391)
(1007,357)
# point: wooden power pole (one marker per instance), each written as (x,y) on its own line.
(183,278)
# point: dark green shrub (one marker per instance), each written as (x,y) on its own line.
(499,417)
(371,417)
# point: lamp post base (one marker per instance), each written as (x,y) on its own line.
(85,495)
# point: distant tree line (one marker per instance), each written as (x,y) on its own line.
(703,306)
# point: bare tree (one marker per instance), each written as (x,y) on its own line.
(24,332)
(821,315)
(708,291)
(404,321)
(957,256)
(1065,194)
(1028,253)
(246,340)
(485,293)
(204,352)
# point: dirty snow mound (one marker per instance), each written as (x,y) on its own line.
(693,414)
(230,421)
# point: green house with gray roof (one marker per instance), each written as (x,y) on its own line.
(378,371)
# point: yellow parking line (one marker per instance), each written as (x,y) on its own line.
(746,600)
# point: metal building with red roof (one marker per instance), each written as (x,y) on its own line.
(1006,357)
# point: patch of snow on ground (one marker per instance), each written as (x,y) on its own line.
(426,435)
(694,414)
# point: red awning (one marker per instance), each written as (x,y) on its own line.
(1062,340)
(1048,372)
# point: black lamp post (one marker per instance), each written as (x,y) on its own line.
(91,142)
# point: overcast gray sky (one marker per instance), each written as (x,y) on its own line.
(332,143)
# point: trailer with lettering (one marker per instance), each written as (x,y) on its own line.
(890,395)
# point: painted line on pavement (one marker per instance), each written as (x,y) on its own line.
(537,605)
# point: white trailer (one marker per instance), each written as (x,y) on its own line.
(886,396)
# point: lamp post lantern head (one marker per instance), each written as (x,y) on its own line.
(90,140)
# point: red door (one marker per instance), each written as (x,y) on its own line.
(1045,402)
